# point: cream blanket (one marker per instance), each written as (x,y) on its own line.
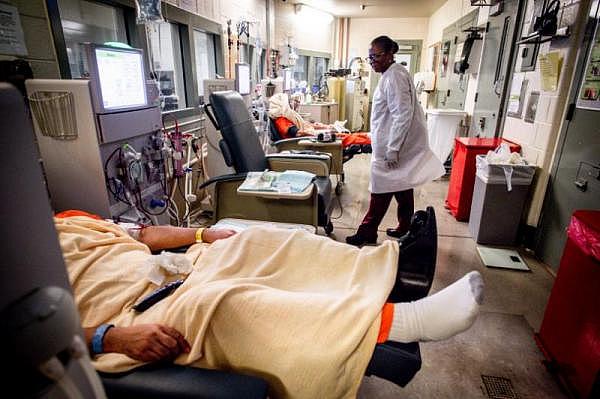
(279,105)
(300,310)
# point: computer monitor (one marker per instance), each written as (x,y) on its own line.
(242,79)
(288,79)
(118,78)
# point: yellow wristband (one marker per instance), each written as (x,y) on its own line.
(199,234)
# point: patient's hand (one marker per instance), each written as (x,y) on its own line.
(146,342)
(211,234)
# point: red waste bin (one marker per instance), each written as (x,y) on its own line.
(570,332)
(462,177)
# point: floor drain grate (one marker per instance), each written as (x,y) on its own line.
(498,387)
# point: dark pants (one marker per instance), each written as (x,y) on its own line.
(378,207)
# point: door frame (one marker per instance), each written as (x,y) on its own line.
(417,49)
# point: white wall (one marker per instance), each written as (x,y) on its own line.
(235,10)
(363,30)
(450,12)
(302,33)
(218,11)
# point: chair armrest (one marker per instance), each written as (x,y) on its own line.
(229,204)
(319,164)
(290,140)
(222,178)
(172,381)
(307,193)
(289,144)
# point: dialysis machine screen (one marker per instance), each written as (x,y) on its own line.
(242,78)
(121,78)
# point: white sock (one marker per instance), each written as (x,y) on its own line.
(441,315)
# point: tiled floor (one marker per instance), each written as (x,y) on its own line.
(501,341)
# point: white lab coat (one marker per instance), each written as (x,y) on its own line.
(398,124)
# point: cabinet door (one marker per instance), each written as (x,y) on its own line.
(324,114)
(313,110)
(333,113)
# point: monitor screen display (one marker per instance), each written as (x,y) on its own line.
(121,78)
(242,78)
(288,76)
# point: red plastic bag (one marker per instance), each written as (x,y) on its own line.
(581,230)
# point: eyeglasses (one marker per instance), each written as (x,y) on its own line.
(372,57)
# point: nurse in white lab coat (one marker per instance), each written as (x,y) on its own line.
(401,159)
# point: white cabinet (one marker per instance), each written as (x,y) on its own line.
(320,112)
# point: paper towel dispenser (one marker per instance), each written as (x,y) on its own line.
(424,81)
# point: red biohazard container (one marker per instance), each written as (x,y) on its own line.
(570,333)
(462,177)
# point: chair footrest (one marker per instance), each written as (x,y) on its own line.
(395,361)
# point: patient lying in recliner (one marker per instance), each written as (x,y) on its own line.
(299,310)
(286,123)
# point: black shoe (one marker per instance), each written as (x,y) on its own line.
(358,239)
(395,233)
(417,226)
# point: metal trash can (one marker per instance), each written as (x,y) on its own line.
(498,198)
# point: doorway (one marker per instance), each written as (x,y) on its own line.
(409,54)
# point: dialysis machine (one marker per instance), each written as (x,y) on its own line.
(357,103)
(357,96)
(101,139)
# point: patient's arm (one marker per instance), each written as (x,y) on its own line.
(319,125)
(165,237)
(144,342)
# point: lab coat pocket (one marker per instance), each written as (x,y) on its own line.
(383,180)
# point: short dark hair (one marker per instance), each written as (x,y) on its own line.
(387,44)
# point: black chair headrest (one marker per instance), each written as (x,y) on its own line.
(238,131)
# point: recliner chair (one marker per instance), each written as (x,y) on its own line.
(395,362)
(242,150)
